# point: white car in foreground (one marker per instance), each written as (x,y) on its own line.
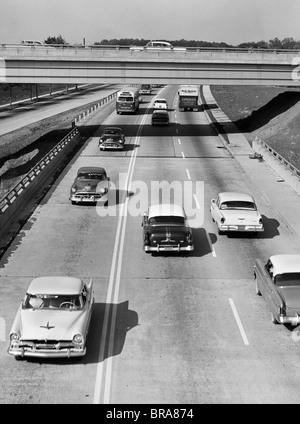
(160,104)
(237,212)
(53,319)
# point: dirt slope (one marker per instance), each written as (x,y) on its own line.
(269,113)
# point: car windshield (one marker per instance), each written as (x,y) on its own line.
(166,220)
(49,301)
(125,99)
(287,279)
(234,204)
(89,176)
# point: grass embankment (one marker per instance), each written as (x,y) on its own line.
(269,113)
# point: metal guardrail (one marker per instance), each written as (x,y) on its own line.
(295,171)
(127,47)
(96,106)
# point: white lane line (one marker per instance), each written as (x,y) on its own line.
(196,201)
(213,252)
(183,157)
(188,174)
(104,366)
(239,323)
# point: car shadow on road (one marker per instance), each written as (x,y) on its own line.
(104,342)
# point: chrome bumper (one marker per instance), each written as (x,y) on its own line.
(172,248)
(46,353)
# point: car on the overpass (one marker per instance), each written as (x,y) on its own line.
(90,185)
(278,281)
(165,229)
(160,117)
(236,212)
(157,45)
(53,319)
(160,103)
(112,138)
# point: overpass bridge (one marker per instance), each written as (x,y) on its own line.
(120,64)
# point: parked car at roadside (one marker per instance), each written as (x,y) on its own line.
(165,229)
(53,319)
(160,117)
(236,212)
(90,185)
(112,138)
(278,281)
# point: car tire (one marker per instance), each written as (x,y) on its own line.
(19,358)
(220,232)
(273,319)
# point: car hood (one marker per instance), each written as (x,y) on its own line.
(49,324)
(89,185)
(291,296)
(241,216)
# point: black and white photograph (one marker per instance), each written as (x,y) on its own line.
(149,205)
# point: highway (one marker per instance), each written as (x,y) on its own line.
(179,329)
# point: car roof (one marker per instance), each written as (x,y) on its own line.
(285,263)
(232,195)
(55,285)
(87,169)
(166,209)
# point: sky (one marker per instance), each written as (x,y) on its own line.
(229,21)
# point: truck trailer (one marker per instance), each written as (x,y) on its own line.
(189,97)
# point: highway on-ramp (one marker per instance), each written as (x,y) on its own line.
(178,328)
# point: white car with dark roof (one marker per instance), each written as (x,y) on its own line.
(236,212)
(53,319)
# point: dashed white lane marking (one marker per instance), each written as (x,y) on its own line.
(196,201)
(183,157)
(239,323)
(188,174)
(179,142)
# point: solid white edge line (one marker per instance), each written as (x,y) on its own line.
(239,323)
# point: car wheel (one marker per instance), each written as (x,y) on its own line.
(273,319)
(73,203)
(258,292)
(19,358)
(220,232)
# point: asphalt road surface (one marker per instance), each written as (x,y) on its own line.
(178,328)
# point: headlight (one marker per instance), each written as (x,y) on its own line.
(103,190)
(73,190)
(222,220)
(78,339)
(14,337)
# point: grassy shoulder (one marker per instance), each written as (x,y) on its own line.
(270,113)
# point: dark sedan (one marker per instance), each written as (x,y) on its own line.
(166,229)
(91,184)
(112,138)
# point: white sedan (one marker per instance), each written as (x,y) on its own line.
(53,319)
(237,212)
(160,104)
